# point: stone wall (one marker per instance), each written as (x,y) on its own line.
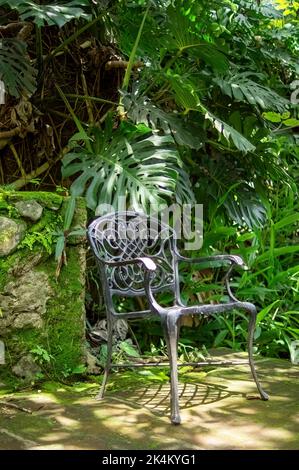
(42,318)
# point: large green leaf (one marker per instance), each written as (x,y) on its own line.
(230,134)
(245,206)
(15,69)
(227,187)
(183,38)
(185,93)
(141,110)
(241,87)
(56,13)
(187,96)
(142,170)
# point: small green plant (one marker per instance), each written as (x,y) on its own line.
(35,181)
(12,212)
(80,369)
(45,238)
(121,352)
(41,355)
(62,190)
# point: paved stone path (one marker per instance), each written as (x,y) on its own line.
(219,411)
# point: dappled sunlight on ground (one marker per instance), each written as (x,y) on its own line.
(214,408)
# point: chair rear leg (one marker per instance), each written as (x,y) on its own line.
(251,329)
(101,393)
(171,336)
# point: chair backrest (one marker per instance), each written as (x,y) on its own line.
(123,236)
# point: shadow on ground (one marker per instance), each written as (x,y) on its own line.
(216,413)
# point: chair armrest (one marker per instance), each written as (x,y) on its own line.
(150,267)
(219,260)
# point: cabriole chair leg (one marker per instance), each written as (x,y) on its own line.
(251,329)
(101,393)
(171,335)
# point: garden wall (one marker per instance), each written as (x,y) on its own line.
(42,318)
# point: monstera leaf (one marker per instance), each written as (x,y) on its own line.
(141,110)
(142,170)
(245,206)
(229,133)
(188,98)
(56,13)
(242,87)
(15,69)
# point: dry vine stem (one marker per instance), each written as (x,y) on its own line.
(13,405)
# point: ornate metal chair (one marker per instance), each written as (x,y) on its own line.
(138,256)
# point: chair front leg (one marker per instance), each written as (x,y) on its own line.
(251,329)
(110,322)
(171,331)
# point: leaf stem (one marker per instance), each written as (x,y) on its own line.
(75,118)
(126,81)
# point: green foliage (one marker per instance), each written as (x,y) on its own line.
(127,347)
(230,134)
(284,119)
(54,14)
(241,87)
(16,71)
(128,164)
(246,207)
(184,37)
(123,351)
(271,252)
(216,78)
(206,107)
(142,111)
(41,355)
(44,238)
(207,97)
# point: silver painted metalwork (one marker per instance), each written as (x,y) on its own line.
(138,256)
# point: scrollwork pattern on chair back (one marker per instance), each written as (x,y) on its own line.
(127,235)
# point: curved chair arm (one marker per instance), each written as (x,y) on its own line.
(220,260)
(150,267)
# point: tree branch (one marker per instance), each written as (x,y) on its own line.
(122,64)
(18,184)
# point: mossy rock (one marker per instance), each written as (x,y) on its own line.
(43,317)
(52,201)
(30,209)
(11,233)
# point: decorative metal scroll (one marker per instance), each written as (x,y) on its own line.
(125,236)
